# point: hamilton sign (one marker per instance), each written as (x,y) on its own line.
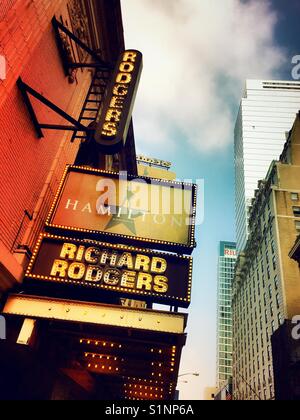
(115,208)
(126,271)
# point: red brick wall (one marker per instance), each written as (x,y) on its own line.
(27,41)
(5,7)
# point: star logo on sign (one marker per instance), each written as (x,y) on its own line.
(125,215)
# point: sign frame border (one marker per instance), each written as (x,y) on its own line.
(115,237)
(130,293)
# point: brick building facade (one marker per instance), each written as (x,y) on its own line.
(60,59)
(266,284)
(30,167)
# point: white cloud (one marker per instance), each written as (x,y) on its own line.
(197,55)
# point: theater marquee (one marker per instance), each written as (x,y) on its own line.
(126,271)
(114,121)
(142,211)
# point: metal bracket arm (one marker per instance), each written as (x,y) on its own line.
(26,91)
(99,63)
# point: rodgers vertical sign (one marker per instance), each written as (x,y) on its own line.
(114,121)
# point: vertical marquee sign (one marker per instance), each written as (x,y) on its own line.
(112,127)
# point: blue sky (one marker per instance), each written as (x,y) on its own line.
(197,55)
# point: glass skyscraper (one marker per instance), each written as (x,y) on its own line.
(267,113)
(226,266)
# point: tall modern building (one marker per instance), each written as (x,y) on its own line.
(267,112)
(266,287)
(226,266)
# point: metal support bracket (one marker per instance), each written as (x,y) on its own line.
(98,62)
(26,91)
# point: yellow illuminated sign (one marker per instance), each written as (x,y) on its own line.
(153,172)
(124,270)
(115,268)
(113,124)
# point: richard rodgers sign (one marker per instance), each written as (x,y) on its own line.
(127,271)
